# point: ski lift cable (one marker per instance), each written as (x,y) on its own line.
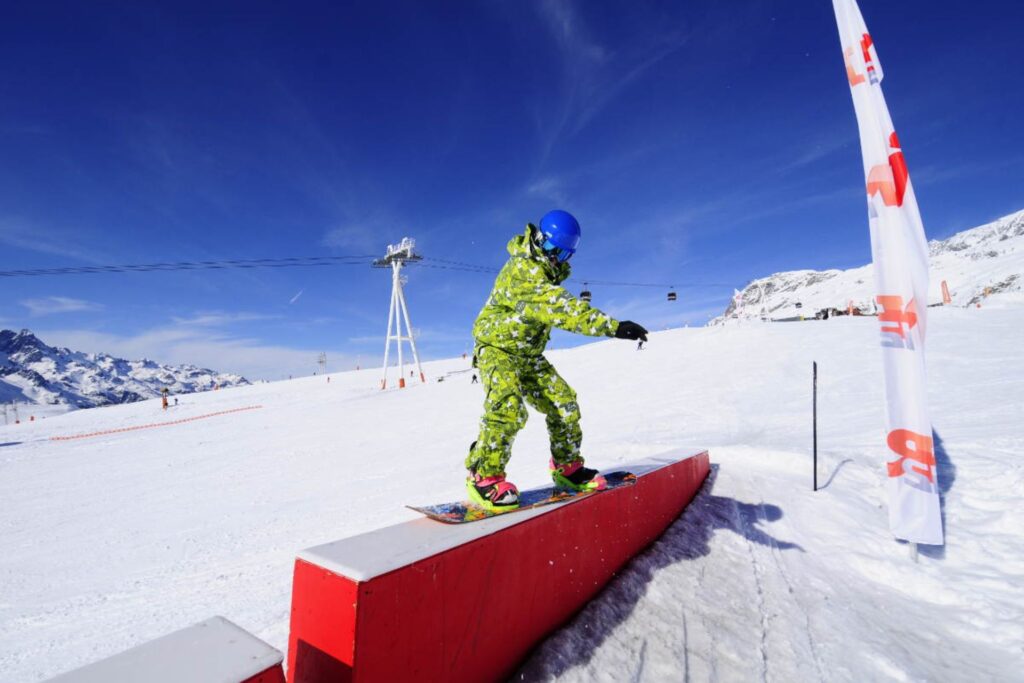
(606,283)
(472,267)
(461,263)
(280,262)
(464,267)
(306,261)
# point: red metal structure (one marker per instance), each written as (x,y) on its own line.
(409,602)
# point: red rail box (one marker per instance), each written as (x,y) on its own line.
(427,601)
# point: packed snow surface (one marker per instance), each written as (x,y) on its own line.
(115,539)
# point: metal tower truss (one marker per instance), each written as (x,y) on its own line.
(397,256)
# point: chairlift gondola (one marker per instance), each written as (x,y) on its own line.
(585,294)
(671,295)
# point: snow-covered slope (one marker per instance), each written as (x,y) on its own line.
(33,372)
(115,539)
(975,264)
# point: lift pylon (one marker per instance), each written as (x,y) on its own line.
(397,256)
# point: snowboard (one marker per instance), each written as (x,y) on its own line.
(462,512)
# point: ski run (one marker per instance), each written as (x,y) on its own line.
(118,538)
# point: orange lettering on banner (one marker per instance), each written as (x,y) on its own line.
(854,77)
(899,168)
(865,47)
(911,446)
(894,313)
(890,180)
(880,181)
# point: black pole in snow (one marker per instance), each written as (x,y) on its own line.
(815,420)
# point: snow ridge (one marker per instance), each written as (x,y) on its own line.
(976,264)
(34,372)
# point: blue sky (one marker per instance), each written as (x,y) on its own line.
(701,144)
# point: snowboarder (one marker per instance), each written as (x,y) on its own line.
(510,335)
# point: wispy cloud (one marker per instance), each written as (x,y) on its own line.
(672,228)
(931,175)
(358,236)
(220,318)
(571,183)
(367,339)
(428,335)
(203,346)
(52,305)
(23,129)
(593,75)
(365,230)
(814,153)
(44,240)
(549,187)
(564,23)
(296,297)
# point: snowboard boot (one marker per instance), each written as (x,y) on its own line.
(574,476)
(492,493)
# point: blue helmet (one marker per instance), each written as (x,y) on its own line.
(560,234)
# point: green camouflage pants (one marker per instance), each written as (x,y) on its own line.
(511,382)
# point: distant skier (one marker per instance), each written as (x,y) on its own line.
(640,345)
(475,380)
(510,333)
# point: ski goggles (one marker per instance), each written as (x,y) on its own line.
(560,254)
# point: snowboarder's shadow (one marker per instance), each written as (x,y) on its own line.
(687,538)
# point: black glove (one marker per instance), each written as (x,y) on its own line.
(630,330)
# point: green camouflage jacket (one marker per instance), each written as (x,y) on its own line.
(527,302)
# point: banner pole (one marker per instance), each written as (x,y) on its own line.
(814,413)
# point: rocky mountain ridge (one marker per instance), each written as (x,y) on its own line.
(33,372)
(982,262)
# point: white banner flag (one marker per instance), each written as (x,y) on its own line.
(900,255)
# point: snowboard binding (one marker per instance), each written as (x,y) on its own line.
(492,493)
(574,476)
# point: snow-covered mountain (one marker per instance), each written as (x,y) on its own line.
(33,372)
(975,264)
